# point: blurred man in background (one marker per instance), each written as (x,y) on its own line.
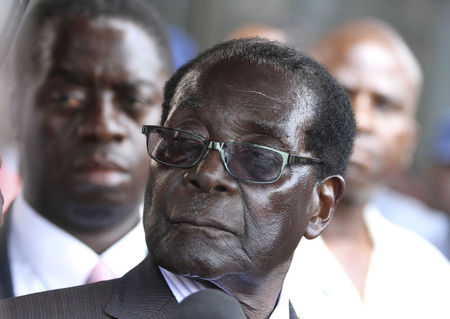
(363,266)
(89,74)
(416,200)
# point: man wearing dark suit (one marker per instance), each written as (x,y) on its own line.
(88,74)
(255,139)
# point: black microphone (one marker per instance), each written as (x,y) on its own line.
(209,303)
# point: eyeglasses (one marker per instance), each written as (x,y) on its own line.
(244,161)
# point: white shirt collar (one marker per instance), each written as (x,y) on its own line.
(43,256)
(183,287)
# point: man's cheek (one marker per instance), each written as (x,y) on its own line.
(160,177)
(160,184)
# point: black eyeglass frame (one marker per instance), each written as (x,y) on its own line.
(288,159)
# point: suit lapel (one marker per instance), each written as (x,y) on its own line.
(6,288)
(142,293)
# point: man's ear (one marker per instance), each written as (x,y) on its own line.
(329,192)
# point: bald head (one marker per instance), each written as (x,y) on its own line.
(383,78)
(258,30)
(373,43)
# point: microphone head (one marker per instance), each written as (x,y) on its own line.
(209,303)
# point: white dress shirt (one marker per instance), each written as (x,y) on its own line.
(407,278)
(183,287)
(43,256)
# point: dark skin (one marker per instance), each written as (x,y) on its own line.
(83,163)
(384,92)
(238,236)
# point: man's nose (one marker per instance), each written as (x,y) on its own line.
(210,175)
(102,120)
(364,111)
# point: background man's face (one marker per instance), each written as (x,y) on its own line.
(200,221)
(383,97)
(100,80)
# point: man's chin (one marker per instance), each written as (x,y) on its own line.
(358,193)
(192,259)
(195,268)
(358,176)
(95,194)
(88,211)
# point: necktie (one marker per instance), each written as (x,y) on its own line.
(100,272)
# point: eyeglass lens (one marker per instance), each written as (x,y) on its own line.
(244,161)
(252,163)
(174,147)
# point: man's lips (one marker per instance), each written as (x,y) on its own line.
(100,172)
(201,223)
(214,212)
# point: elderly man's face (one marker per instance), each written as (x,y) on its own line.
(202,222)
(99,81)
(383,95)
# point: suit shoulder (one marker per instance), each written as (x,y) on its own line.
(85,301)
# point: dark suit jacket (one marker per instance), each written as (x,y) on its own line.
(6,288)
(141,293)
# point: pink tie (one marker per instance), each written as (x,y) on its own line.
(100,272)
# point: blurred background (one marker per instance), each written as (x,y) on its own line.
(425,24)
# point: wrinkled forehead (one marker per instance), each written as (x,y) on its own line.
(259,92)
(86,44)
(105,37)
(233,77)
